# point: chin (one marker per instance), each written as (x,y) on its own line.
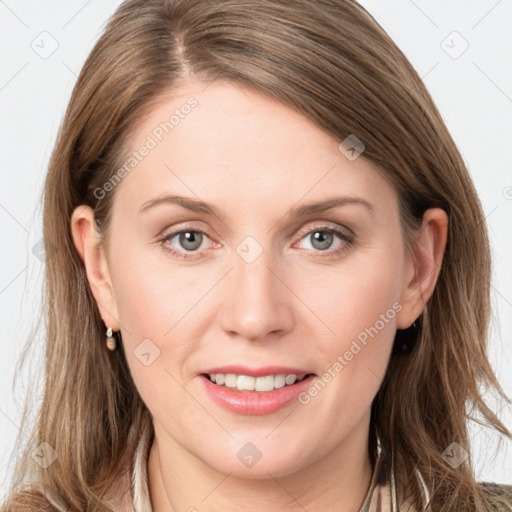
(256,459)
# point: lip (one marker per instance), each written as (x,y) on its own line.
(258,372)
(254,403)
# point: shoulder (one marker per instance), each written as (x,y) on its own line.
(500,495)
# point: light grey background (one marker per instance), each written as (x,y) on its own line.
(43,46)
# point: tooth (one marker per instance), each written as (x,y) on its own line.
(264,383)
(290,379)
(279,381)
(231,380)
(245,382)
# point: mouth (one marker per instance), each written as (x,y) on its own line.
(257,384)
(265,392)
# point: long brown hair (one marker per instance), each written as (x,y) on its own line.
(333,63)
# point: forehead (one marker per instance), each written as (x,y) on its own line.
(237,146)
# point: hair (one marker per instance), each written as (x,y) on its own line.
(332,62)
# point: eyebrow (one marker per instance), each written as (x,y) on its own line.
(196,205)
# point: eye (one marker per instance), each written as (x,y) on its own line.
(321,238)
(190,241)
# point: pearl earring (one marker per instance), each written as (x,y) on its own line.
(111,341)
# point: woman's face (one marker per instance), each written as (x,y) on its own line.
(257,283)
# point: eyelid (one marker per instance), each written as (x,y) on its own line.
(322,224)
(186,226)
(326,225)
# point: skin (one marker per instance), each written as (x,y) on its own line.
(296,305)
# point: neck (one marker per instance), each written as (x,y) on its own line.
(179,481)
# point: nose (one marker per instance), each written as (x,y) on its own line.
(257,303)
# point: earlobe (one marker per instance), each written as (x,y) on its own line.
(87,242)
(424,265)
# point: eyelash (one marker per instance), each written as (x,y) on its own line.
(345,236)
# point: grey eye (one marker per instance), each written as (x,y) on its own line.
(189,240)
(321,239)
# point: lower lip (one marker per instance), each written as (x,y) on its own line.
(255,403)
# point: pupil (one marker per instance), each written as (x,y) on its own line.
(324,239)
(188,237)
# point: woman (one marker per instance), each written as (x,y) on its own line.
(218,163)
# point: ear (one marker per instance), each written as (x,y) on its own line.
(423,266)
(86,238)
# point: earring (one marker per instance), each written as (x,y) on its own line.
(405,339)
(111,341)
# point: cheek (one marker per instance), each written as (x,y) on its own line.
(161,307)
(152,295)
(155,341)
(360,311)
(158,339)
(355,297)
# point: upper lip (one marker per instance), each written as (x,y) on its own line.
(258,372)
